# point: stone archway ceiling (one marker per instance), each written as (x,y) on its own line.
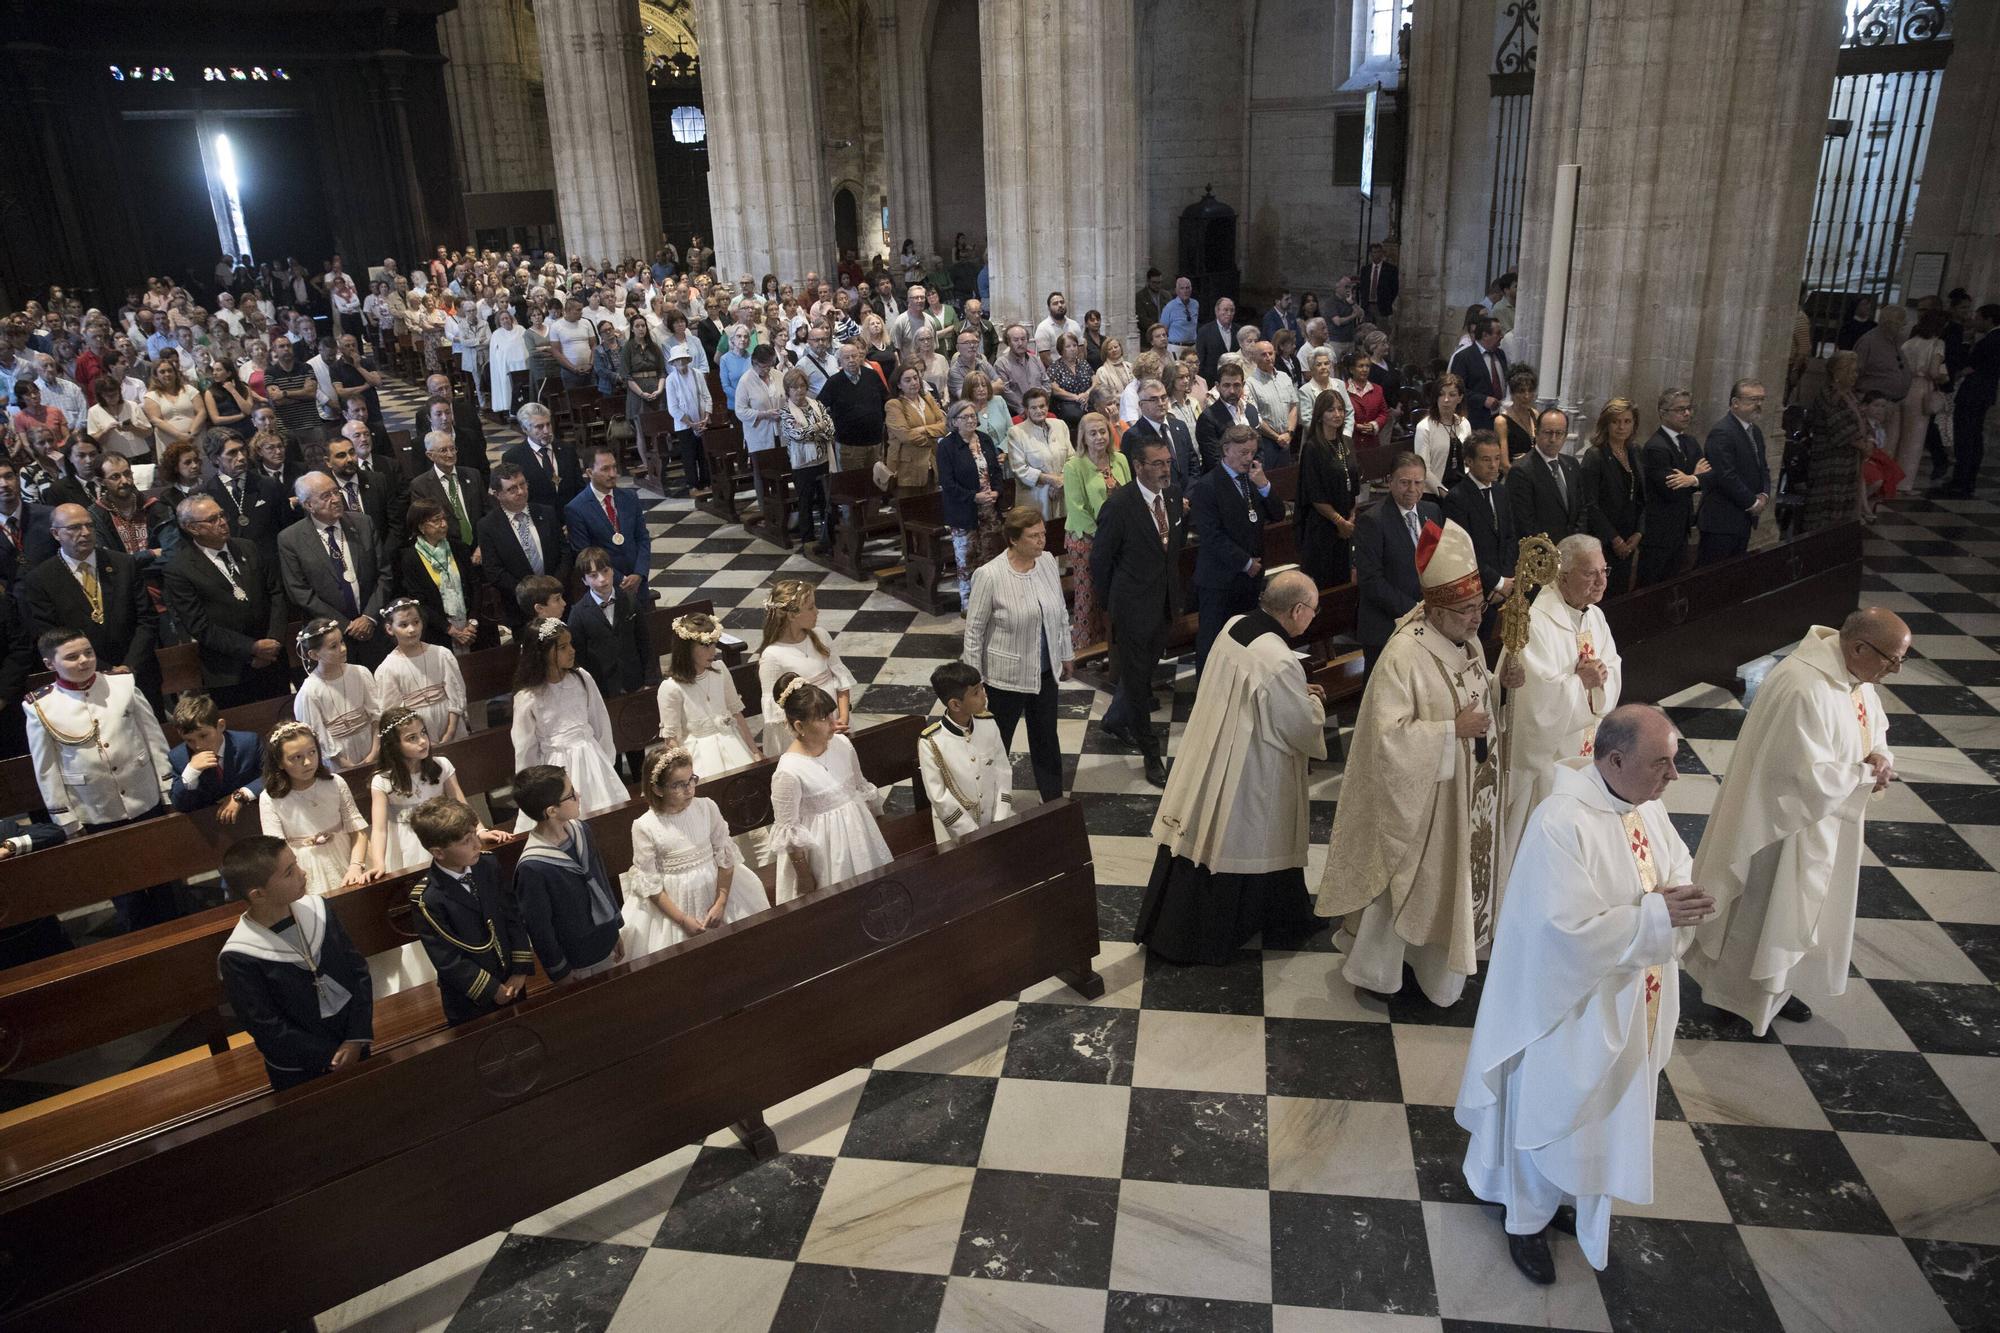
(668,26)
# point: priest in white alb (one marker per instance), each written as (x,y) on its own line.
(1415,831)
(1233,824)
(506,352)
(1560,686)
(1782,852)
(1576,1019)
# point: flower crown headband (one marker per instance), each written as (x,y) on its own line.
(690,627)
(786,693)
(545,630)
(395,718)
(665,759)
(788,597)
(286,731)
(309,638)
(401,604)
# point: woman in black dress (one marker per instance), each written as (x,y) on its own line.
(1329,485)
(1613,492)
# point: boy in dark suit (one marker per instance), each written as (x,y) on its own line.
(608,627)
(569,901)
(290,972)
(213,765)
(468,927)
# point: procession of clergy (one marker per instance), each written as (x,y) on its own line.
(1515,817)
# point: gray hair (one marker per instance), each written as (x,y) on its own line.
(432,439)
(1284,590)
(1574,548)
(1317,355)
(531,412)
(1150,383)
(185,509)
(1619,732)
(308,485)
(1315,325)
(1671,395)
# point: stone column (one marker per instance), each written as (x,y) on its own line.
(767,186)
(1062,158)
(502,142)
(600,128)
(1444,35)
(906,140)
(1697,126)
(1958,208)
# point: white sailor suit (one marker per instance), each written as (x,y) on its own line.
(967,773)
(101,760)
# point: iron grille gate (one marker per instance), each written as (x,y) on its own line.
(1885,91)
(1513,96)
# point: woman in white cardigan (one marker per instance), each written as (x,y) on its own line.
(1036,447)
(1017,637)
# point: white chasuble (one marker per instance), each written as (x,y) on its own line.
(1782,853)
(1552,716)
(1576,1019)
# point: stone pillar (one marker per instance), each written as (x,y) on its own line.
(906,139)
(1697,126)
(600,128)
(1444,35)
(1958,208)
(767,186)
(1062,168)
(502,141)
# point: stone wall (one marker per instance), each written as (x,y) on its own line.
(851,111)
(958,167)
(1193,82)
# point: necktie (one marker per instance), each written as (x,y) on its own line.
(91,592)
(1492,511)
(458,508)
(339,561)
(1562,486)
(542,461)
(1160,518)
(353,495)
(7,526)
(610,512)
(1416,531)
(1492,375)
(1249,503)
(526,533)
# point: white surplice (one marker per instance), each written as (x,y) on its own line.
(1552,716)
(1577,1015)
(1781,855)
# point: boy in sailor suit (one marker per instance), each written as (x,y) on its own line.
(290,972)
(468,928)
(100,756)
(966,769)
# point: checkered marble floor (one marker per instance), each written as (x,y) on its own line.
(1253,1147)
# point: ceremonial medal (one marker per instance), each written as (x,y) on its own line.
(241,595)
(617,539)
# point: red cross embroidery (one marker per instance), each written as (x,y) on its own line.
(1861,710)
(1652,987)
(1589,747)
(1642,848)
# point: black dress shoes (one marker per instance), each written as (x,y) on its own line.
(1156,769)
(1122,734)
(1532,1256)
(1795,1010)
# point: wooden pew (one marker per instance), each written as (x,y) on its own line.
(929,564)
(777,497)
(658,1053)
(164,974)
(859,519)
(722,448)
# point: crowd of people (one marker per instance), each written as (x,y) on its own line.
(275,493)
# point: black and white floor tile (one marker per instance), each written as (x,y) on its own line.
(1254,1147)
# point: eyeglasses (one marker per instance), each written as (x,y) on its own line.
(1894,662)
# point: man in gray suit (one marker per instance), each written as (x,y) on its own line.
(331,567)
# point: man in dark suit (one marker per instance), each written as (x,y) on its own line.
(608,515)
(1482,366)
(458,414)
(456,489)
(554,476)
(1156,423)
(1232,407)
(99,591)
(332,568)
(1378,285)
(519,538)
(1978,389)
(1137,574)
(1545,489)
(1739,476)
(365,492)
(1478,505)
(257,509)
(1385,555)
(1674,473)
(1230,508)
(226,602)
(25,539)
(1216,337)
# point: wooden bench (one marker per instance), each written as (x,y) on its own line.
(722,449)
(777,497)
(660,1052)
(859,520)
(166,974)
(929,564)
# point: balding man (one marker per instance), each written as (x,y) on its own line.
(1577,1017)
(1782,852)
(1233,824)
(331,567)
(225,599)
(98,591)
